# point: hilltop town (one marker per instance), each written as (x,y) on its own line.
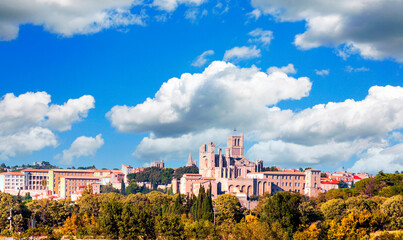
(225,172)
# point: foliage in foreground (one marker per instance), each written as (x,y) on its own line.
(337,214)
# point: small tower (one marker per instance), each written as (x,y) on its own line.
(190,161)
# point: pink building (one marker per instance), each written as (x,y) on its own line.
(329,184)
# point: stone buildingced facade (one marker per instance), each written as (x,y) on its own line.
(231,172)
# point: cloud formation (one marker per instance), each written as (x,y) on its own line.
(289,69)
(387,159)
(323,72)
(201,60)
(70,17)
(360,69)
(261,36)
(27,121)
(202,107)
(81,147)
(171,5)
(347,25)
(222,95)
(241,53)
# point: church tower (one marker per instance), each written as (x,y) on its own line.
(235,147)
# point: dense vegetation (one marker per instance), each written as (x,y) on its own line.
(372,210)
(157,176)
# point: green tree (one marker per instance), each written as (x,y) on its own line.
(50,212)
(182,170)
(136,223)
(208,206)
(89,203)
(284,208)
(334,209)
(393,208)
(110,215)
(169,227)
(122,187)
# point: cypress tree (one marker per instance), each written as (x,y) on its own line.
(178,204)
(123,188)
(208,206)
(200,200)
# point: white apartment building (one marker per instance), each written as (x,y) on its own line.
(11,181)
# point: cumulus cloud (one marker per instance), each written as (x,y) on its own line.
(27,121)
(373,29)
(202,107)
(60,117)
(261,36)
(70,17)
(151,148)
(322,72)
(66,18)
(241,53)
(221,96)
(360,69)
(278,152)
(387,159)
(201,60)
(25,142)
(289,69)
(81,147)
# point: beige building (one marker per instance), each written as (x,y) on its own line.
(72,184)
(55,176)
(231,172)
(36,179)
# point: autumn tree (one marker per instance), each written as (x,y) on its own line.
(228,208)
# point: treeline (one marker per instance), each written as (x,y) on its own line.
(157,176)
(372,210)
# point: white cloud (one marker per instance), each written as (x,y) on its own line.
(202,59)
(25,142)
(360,69)
(82,146)
(70,17)
(151,148)
(373,29)
(278,152)
(26,121)
(60,117)
(289,69)
(171,5)
(198,108)
(66,17)
(322,72)
(241,53)
(388,159)
(255,14)
(194,14)
(262,36)
(223,95)
(24,111)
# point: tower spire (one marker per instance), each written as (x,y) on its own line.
(190,161)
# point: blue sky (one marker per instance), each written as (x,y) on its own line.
(126,55)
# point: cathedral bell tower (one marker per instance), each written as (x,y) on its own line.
(235,147)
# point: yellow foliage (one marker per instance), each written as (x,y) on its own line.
(310,233)
(251,219)
(70,226)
